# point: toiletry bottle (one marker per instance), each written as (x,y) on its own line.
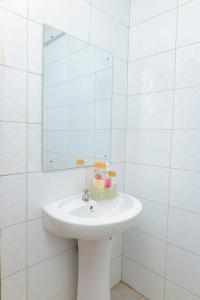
(100,174)
(107,179)
(113,184)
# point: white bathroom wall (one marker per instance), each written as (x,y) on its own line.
(34,263)
(161,252)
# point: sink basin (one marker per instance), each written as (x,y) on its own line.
(92,220)
(93,224)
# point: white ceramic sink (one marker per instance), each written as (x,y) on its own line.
(92,220)
(93,224)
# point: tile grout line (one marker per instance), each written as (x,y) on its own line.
(115,162)
(125,146)
(164,91)
(126,286)
(164,241)
(154,54)
(162,166)
(87,1)
(153,17)
(162,13)
(66,290)
(171,153)
(27,109)
(148,269)
(108,15)
(39,262)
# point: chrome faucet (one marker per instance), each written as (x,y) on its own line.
(86,195)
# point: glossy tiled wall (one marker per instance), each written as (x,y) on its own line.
(162,250)
(34,263)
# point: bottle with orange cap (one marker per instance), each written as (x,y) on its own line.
(113,184)
(100,174)
(104,182)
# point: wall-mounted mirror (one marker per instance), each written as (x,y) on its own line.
(77,100)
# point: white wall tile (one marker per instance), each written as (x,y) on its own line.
(154,36)
(120,76)
(181,2)
(69,294)
(184,229)
(42,244)
(13,45)
(103,34)
(74,21)
(13,100)
(34,147)
(34,98)
(14,287)
(135,276)
(35,47)
(186,108)
(145,250)
(188,66)
(12,199)
(147,182)
(172,291)
(45,284)
(115,274)
(13,150)
(183,268)
(151,74)
(118,9)
(150,111)
(119,168)
(119,104)
(117,246)
(188,159)
(118,145)
(156,141)
(152,219)
(19,7)
(47,187)
(13,249)
(143,10)
(188,30)
(184,191)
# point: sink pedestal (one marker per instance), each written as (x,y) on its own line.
(94,269)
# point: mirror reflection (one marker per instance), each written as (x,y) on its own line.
(77,99)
